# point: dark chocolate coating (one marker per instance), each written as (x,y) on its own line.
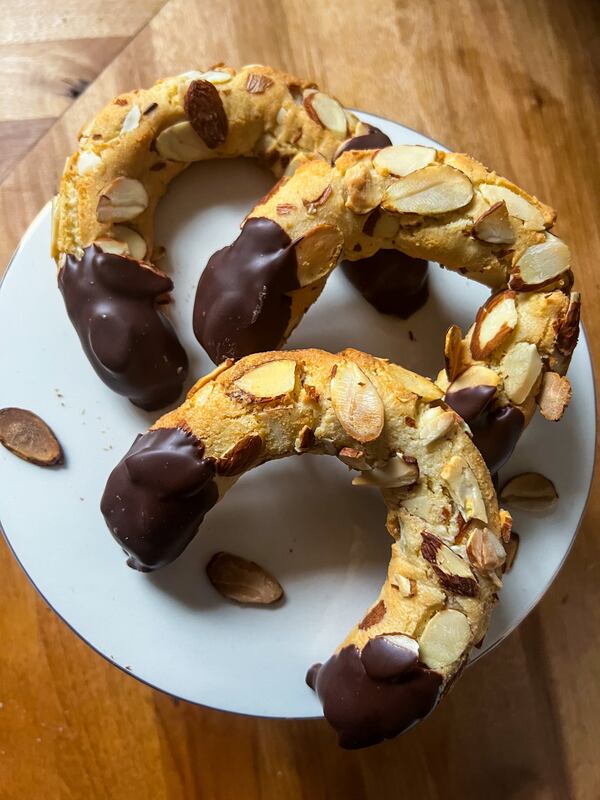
(242,304)
(392,282)
(157,496)
(373,140)
(365,711)
(112,302)
(496,431)
(384,659)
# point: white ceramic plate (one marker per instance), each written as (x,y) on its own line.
(300,518)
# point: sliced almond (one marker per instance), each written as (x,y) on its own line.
(435,424)
(123,199)
(353,458)
(356,402)
(132,119)
(493,226)
(568,332)
(505,524)
(180,142)
(136,244)
(112,246)
(363,193)
(518,206)
(317,253)
(464,489)
(540,264)
(398,471)
(209,377)
(485,550)
(476,375)
(402,159)
(257,83)
(373,616)
(529,491)
(512,548)
(453,352)
(406,586)
(87,160)
(417,384)
(521,367)
(275,380)
(495,320)
(444,639)
(452,571)
(386,226)
(55,221)
(215,76)
(241,580)
(305,439)
(555,395)
(27,436)
(435,189)
(240,456)
(327,112)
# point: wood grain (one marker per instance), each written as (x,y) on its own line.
(515,84)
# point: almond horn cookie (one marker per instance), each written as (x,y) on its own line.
(393,428)
(103,215)
(428,204)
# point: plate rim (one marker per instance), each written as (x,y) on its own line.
(474,656)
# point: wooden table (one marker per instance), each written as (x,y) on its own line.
(515,84)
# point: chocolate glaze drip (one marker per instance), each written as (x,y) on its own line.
(392,282)
(496,431)
(373,140)
(157,496)
(242,305)
(111,301)
(365,711)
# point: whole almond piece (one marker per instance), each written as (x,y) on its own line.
(529,491)
(27,436)
(356,402)
(495,320)
(204,109)
(241,580)
(493,226)
(435,189)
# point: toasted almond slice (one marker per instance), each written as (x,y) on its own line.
(540,264)
(274,380)
(398,471)
(412,382)
(123,199)
(113,246)
(327,112)
(529,491)
(353,458)
(444,639)
(209,377)
(386,226)
(476,375)
(518,206)
(406,586)
(512,548)
(27,436)
(435,189)
(521,367)
(493,226)
(494,322)
(364,194)
(317,253)
(464,489)
(402,159)
(568,332)
(554,396)
(453,572)
(215,76)
(134,241)
(435,424)
(453,352)
(180,142)
(132,119)
(305,439)
(505,524)
(241,580)
(356,402)
(240,456)
(87,160)
(485,550)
